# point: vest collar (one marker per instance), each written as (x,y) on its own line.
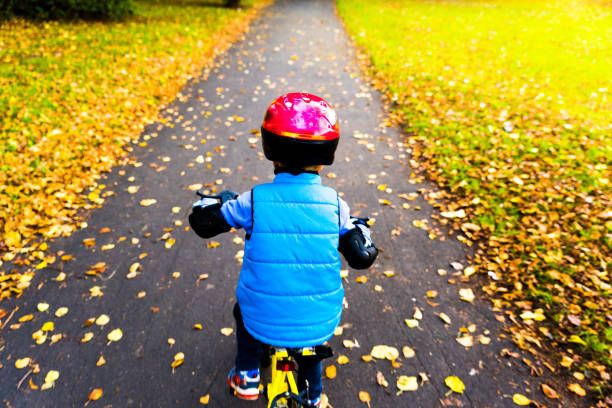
(293,170)
(302,178)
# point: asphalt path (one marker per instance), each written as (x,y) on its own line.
(208,135)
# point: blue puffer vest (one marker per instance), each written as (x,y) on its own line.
(290,291)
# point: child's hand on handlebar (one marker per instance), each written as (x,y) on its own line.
(220,198)
(362,224)
(205,202)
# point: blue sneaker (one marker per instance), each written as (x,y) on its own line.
(315,403)
(244,383)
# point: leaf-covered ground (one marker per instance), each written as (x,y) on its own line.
(507,105)
(73,96)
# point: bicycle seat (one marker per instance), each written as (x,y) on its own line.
(321,352)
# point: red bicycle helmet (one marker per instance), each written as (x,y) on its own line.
(300,129)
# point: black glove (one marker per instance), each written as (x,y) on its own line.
(357,247)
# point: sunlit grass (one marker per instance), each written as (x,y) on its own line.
(510,103)
(73,94)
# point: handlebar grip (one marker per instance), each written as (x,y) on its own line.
(227,195)
(223,196)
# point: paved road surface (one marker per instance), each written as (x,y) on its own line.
(294,45)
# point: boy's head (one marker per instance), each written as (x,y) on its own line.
(300,130)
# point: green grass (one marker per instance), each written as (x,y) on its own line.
(510,103)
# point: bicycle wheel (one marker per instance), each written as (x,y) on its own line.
(287,400)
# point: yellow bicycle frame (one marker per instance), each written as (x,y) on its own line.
(282,378)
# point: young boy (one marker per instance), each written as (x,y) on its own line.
(289,292)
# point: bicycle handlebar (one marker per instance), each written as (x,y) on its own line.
(223,196)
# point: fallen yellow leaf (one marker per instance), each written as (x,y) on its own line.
(39,336)
(135,268)
(95,394)
(22,362)
(384,352)
(95,291)
(102,320)
(445,318)
(204,399)
(549,391)
(349,344)
(147,202)
(364,396)
(342,359)
(89,242)
(61,311)
(169,243)
(330,371)
(226,331)
(48,326)
(467,295)
(455,384)
(12,238)
(575,339)
(179,359)
(536,315)
(576,389)
(408,352)
(412,323)
(520,399)
(469,271)
(381,380)
(52,376)
(405,383)
(26,318)
(466,341)
(115,335)
(42,307)
(566,361)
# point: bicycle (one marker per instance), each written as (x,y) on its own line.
(282,391)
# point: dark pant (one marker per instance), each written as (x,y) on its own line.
(250,352)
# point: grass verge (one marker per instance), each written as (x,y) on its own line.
(73,94)
(507,105)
